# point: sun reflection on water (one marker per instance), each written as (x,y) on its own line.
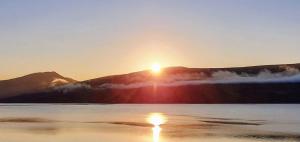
(156,119)
(156,132)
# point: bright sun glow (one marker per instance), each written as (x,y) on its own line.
(156,119)
(155,68)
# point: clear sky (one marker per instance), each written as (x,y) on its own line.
(84,39)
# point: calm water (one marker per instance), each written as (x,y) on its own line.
(128,123)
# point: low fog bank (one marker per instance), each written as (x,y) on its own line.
(70,87)
(218,77)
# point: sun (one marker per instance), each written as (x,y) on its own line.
(156,68)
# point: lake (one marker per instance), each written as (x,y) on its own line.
(130,123)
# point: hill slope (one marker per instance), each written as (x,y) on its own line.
(31,83)
(257,84)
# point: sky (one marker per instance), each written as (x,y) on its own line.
(85,39)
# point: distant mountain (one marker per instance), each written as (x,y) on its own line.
(255,84)
(183,73)
(32,83)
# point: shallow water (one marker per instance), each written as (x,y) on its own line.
(115,123)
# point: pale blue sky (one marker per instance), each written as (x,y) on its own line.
(85,39)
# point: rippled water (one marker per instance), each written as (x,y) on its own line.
(118,123)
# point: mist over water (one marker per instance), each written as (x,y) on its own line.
(289,74)
(185,123)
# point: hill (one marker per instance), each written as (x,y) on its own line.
(32,83)
(255,84)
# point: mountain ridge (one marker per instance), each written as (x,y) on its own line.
(31,83)
(146,74)
(254,84)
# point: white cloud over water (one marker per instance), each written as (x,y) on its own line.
(219,77)
(73,86)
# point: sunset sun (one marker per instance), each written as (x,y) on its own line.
(155,68)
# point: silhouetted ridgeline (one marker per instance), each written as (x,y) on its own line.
(259,84)
(32,83)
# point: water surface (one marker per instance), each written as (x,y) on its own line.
(118,123)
